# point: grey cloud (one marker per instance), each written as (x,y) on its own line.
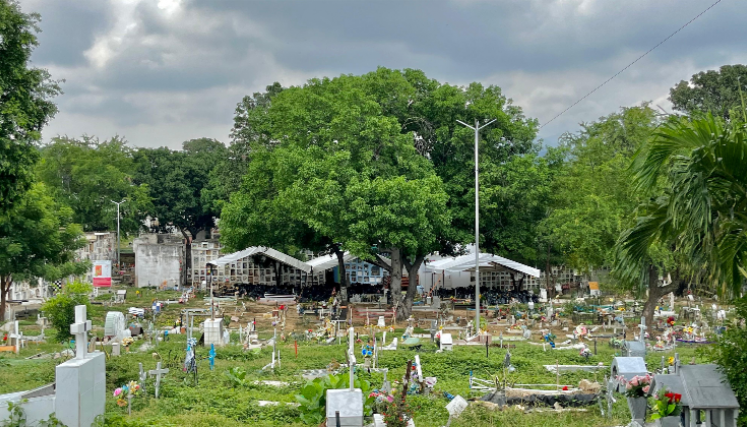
(195,65)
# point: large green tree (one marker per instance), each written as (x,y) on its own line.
(87,175)
(25,101)
(37,239)
(714,91)
(323,141)
(594,198)
(696,229)
(177,179)
(249,129)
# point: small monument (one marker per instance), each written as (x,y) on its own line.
(214,332)
(346,403)
(80,382)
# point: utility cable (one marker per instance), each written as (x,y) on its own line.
(631,64)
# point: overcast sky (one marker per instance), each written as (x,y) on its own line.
(159,72)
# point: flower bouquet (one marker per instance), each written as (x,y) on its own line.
(666,404)
(638,386)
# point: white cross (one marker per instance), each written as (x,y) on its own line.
(351,356)
(157,373)
(643,328)
(16,335)
(80,329)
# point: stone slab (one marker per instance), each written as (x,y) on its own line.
(81,390)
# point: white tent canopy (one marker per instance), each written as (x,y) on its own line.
(328,261)
(487,261)
(262,250)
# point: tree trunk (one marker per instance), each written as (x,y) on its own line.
(343,276)
(395,286)
(655,292)
(412,288)
(187,257)
(5,283)
(547,271)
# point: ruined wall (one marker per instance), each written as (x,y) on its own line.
(157,264)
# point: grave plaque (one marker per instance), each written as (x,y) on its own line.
(350,405)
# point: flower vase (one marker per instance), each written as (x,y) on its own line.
(668,422)
(637,406)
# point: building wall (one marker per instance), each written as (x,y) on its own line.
(157,264)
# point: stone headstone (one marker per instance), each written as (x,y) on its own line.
(81,382)
(349,403)
(213,332)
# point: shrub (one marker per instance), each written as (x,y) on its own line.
(60,309)
(729,353)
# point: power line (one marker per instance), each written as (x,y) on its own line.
(631,64)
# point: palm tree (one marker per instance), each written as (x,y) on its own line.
(696,225)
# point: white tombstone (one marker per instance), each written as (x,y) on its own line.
(116,349)
(447,343)
(213,329)
(543,295)
(115,326)
(456,406)
(81,382)
(349,403)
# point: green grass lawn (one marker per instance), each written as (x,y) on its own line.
(214,402)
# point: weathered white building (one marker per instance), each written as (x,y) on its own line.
(159,259)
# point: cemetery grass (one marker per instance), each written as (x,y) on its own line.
(216,401)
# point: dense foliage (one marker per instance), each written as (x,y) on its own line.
(60,309)
(37,239)
(25,105)
(87,175)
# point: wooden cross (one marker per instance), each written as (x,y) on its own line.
(80,329)
(157,373)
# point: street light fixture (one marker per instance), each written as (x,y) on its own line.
(477,128)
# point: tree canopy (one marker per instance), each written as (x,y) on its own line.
(87,175)
(717,92)
(25,101)
(37,239)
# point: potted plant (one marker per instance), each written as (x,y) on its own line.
(636,390)
(666,407)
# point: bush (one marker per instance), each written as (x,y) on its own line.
(60,309)
(730,354)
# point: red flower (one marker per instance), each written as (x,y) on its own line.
(677,397)
(565,388)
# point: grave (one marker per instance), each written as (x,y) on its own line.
(157,373)
(115,327)
(79,393)
(80,382)
(636,348)
(447,344)
(347,404)
(704,390)
(213,332)
(627,367)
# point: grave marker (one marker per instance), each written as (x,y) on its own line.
(81,382)
(157,373)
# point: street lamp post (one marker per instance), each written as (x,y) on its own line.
(119,267)
(477,128)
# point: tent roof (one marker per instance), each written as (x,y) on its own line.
(268,252)
(328,261)
(488,261)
